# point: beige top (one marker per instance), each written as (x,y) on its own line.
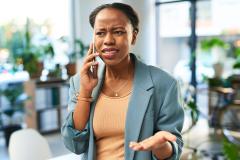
(109,126)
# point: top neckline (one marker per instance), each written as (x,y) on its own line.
(120,97)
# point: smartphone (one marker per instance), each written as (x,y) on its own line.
(93,67)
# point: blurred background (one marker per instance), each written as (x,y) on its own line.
(43,43)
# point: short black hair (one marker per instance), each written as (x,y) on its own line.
(125,8)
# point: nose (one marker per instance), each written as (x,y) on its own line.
(109,39)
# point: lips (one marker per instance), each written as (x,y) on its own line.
(109,53)
(109,50)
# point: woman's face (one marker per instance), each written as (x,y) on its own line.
(113,35)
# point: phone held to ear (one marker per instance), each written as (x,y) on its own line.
(93,68)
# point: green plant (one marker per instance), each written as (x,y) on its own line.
(217,49)
(16,97)
(217,82)
(29,53)
(236,65)
(230,150)
(82,48)
(236,51)
(190,105)
(208,44)
(193,111)
(18,41)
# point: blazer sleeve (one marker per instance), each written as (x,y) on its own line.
(76,141)
(171,117)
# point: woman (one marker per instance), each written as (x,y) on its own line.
(129,110)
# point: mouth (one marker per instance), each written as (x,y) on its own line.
(109,53)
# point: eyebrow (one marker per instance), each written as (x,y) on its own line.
(113,28)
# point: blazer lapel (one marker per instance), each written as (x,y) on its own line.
(142,92)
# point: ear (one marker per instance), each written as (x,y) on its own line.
(134,37)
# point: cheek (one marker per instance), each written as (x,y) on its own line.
(130,39)
(125,45)
(128,45)
(127,40)
(98,45)
(125,49)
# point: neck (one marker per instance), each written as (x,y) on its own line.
(120,71)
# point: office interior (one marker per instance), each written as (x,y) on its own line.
(43,43)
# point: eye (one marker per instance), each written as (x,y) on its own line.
(100,34)
(119,33)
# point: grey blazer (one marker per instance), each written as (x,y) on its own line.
(154,106)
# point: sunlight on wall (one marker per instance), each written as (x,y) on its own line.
(56,12)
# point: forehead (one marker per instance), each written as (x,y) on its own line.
(111,17)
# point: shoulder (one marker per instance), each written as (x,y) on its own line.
(161,77)
(74,81)
(75,78)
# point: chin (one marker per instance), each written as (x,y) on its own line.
(111,63)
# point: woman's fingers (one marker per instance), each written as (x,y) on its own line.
(90,57)
(135,146)
(90,51)
(153,142)
(170,137)
(149,143)
(163,135)
(145,145)
(95,70)
(86,67)
(88,78)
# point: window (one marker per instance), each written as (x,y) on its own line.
(48,21)
(214,18)
(53,13)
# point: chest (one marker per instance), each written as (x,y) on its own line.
(110,116)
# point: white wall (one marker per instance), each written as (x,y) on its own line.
(146,44)
(171,50)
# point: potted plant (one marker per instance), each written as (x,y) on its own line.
(29,54)
(81,51)
(23,53)
(11,117)
(217,48)
(76,56)
(236,52)
(190,106)
(230,150)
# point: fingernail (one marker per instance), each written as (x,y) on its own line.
(95,62)
(130,144)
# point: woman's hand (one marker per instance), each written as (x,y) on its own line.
(88,82)
(153,143)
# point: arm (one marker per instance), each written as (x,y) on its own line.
(75,130)
(171,117)
(166,143)
(74,139)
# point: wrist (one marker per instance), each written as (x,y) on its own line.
(79,98)
(85,93)
(164,151)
